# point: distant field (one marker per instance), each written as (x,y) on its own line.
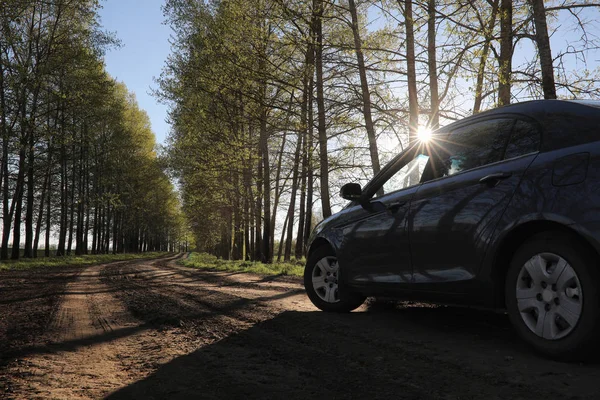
(210,262)
(89,259)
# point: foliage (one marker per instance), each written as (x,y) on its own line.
(83,260)
(212,263)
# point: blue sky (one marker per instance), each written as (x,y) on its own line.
(145,47)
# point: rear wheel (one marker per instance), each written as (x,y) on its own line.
(552,296)
(323,285)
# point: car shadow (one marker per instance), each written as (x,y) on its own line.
(412,352)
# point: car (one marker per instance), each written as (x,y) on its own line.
(499,210)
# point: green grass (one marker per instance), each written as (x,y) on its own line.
(210,262)
(73,260)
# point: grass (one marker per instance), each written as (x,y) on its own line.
(73,260)
(210,262)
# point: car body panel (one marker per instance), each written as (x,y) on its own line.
(375,244)
(457,216)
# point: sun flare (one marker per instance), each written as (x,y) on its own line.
(424,134)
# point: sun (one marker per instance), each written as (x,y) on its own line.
(424,134)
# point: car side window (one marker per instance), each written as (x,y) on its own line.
(473,146)
(407,176)
(525,139)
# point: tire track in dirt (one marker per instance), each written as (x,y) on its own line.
(85,345)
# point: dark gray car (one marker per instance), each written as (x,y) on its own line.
(500,210)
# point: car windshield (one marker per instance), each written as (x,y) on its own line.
(404,170)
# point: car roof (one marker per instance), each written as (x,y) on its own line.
(533,107)
(563,123)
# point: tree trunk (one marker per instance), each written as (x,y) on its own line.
(45,187)
(48,220)
(71,204)
(248,216)
(80,195)
(434,119)
(3,110)
(292,208)
(6,215)
(489,35)
(413,103)
(108,217)
(543,45)
(366,95)
(506,52)
(28,249)
(258,247)
(298,251)
(277,191)
(267,256)
(116,236)
(324,163)
(306,102)
(309,163)
(62,235)
(285,224)
(87,205)
(18,201)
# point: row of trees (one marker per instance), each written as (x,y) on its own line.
(275,102)
(78,161)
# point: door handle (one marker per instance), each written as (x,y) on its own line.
(394,207)
(493,179)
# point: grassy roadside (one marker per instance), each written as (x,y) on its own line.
(210,262)
(89,259)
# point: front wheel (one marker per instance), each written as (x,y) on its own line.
(323,285)
(552,296)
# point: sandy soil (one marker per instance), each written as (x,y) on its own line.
(152,329)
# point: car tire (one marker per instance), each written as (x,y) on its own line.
(323,285)
(552,296)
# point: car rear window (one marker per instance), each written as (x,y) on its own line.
(525,139)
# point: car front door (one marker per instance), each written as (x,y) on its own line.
(375,246)
(453,216)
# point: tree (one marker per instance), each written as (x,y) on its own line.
(506,52)
(413,104)
(366,95)
(543,44)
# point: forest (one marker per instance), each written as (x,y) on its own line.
(274,104)
(79,169)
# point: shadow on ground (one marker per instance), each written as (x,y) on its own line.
(402,353)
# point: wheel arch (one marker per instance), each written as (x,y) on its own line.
(318,243)
(512,240)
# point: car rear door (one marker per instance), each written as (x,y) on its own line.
(453,216)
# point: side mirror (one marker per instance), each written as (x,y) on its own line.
(351,191)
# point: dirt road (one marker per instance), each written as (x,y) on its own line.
(152,329)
